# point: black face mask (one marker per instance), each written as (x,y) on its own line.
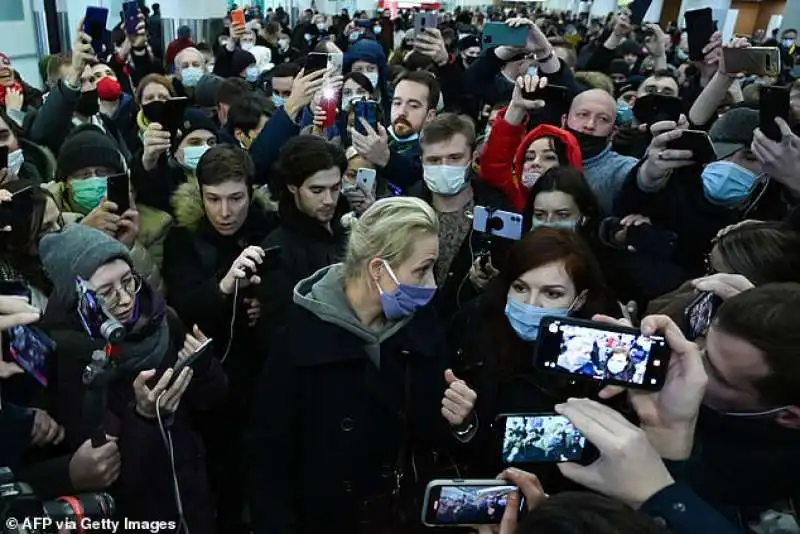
(591,145)
(87,104)
(469,60)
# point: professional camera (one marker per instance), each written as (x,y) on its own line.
(96,319)
(22,512)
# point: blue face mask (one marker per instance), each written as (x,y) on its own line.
(405,300)
(572,226)
(192,155)
(533,71)
(354,36)
(725,182)
(278,100)
(525,318)
(624,114)
(252,74)
(377,30)
(190,76)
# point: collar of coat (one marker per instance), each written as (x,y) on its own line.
(187,203)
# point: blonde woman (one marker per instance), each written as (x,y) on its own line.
(356,387)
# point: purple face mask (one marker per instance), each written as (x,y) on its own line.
(406,300)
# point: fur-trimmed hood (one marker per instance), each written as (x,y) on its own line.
(187,204)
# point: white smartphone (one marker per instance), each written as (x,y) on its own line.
(365,178)
(497,223)
(458,503)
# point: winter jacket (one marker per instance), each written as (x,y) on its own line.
(267,145)
(156,187)
(54,121)
(148,250)
(145,488)
(504,156)
(336,403)
(305,247)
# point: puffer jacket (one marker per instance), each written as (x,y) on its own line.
(504,156)
(148,250)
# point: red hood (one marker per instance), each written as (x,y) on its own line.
(574,158)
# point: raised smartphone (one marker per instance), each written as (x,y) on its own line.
(118,191)
(773,102)
(602,352)
(501,34)
(533,438)
(94,25)
(698,314)
(368,110)
(237,17)
(425,20)
(638,9)
(497,223)
(365,179)
(315,61)
(699,29)
(453,503)
(759,60)
(698,142)
(653,108)
(130,10)
(174,109)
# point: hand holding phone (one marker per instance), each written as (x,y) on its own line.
(653,108)
(533,438)
(458,502)
(195,351)
(773,104)
(118,191)
(699,29)
(630,469)
(130,10)
(17,209)
(94,25)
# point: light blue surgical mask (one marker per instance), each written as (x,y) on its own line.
(354,36)
(525,318)
(372,77)
(572,226)
(377,30)
(278,100)
(252,74)
(533,71)
(89,192)
(192,155)
(190,76)
(725,182)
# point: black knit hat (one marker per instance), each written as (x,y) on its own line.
(241,60)
(193,120)
(88,146)
(468,41)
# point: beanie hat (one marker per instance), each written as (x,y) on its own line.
(241,60)
(629,47)
(193,120)
(619,66)
(89,147)
(205,92)
(468,41)
(78,250)
(733,131)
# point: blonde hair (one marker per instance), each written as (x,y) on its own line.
(388,230)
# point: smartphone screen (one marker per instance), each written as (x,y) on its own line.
(173,114)
(30,348)
(119,192)
(699,28)
(453,503)
(539,438)
(773,103)
(698,315)
(602,352)
(367,110)
(131,12)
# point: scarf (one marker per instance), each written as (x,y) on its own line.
(3,88)
(147,340)
(142,123)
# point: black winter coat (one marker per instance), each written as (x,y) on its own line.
(305,247)
(144,489)
(327,427)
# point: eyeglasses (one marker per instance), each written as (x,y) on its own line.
(109,296)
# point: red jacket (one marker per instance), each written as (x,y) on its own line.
(504,156)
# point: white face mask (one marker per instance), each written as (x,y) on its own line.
(283,44)
(372,77)
(247,45)
(445,180)
(616,365)
(15,161)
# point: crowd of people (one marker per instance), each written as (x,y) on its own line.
(290,325)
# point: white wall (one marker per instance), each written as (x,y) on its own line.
(601,8)
(791,16)
(18,40)
(194,9)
